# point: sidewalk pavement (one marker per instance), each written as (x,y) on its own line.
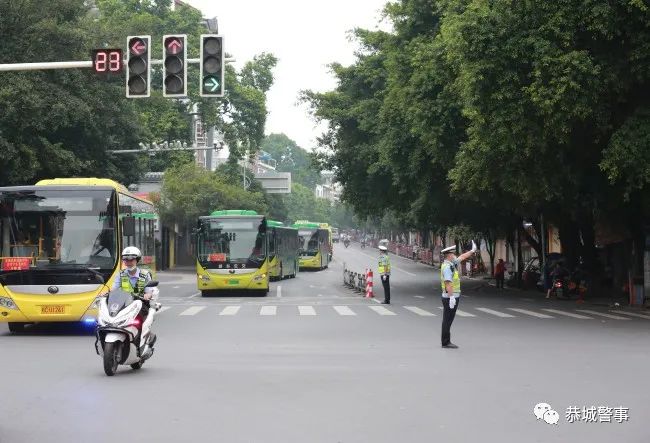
(487,285)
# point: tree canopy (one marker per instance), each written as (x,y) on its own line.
(512,109)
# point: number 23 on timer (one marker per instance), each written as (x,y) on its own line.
(107,61)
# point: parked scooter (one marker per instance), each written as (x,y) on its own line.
(346,242)
(123,335)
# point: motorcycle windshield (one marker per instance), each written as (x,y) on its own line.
(118,300)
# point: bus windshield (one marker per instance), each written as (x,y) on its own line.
(232,242)
(45,229)
(308,240)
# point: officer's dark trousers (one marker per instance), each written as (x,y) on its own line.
(385,282)
(447,319)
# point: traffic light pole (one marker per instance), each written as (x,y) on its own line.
(6,67)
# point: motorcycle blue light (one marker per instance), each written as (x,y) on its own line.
(89,321)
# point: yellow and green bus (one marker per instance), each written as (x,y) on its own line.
(283,250)
(60,245)
(232,252)
(315,245)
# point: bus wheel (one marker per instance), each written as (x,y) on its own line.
(205,293)
(16,327)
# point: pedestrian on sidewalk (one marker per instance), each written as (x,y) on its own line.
(450,281)
(384,272)
(499,273)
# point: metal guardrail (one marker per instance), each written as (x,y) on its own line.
(354,280)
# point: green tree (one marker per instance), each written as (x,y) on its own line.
(291,158)
(190,191)
(59,123)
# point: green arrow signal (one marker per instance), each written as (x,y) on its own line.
(211,84)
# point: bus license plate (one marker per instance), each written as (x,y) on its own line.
(233,282)
(53,309)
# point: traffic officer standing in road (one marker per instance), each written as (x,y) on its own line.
(384,272)
(450,281)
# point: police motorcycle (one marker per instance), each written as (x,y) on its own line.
(123,337)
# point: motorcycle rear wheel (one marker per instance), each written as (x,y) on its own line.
(111,358)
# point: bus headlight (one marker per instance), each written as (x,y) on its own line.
(8,303)
(259,277)
(205,277)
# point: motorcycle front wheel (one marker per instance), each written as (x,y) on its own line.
(137,365)
(111,357)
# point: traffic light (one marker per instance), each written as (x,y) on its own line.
(212,65)
(138,75)
(174,66)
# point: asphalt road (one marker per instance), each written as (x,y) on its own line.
(316,362)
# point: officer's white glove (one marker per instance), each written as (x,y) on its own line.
(474,248)
(452,302)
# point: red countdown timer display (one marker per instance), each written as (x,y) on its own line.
(107,61)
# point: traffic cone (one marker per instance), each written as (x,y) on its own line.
(369,293)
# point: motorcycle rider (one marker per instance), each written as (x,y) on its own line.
(133,279)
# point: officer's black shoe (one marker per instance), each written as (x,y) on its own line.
(450,346)
(385,302)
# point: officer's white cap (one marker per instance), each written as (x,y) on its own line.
(449,249)
(383,248)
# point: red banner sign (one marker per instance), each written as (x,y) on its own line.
(221,257)
(16,263)
(147,259)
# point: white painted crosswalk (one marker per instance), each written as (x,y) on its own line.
(269,310)
(344,310)
(568,314)
(306,310)
(419,311)
(531,313)
(381,310)
(602,314)
(230,310)
(633,314)
(193,310)
(361,310)
(497,313)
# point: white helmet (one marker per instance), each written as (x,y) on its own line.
(132,252)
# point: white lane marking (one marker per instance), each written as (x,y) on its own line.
(568,314)
(614,317)
(382,310)
(534,314)
(194,295)
(632,314)
(230,310)
(459,312)
(306,310)
(163,309)
(418,296)
(269,310)
(278,291)
(344,310)
(392,267)
(419,311)
(193,310)
(493,312)
(175,287)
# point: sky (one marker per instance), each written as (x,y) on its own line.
(306,36)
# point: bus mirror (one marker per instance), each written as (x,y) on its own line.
(128,226)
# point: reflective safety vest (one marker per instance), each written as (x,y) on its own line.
(455,281)
(125,282)
(384,265)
